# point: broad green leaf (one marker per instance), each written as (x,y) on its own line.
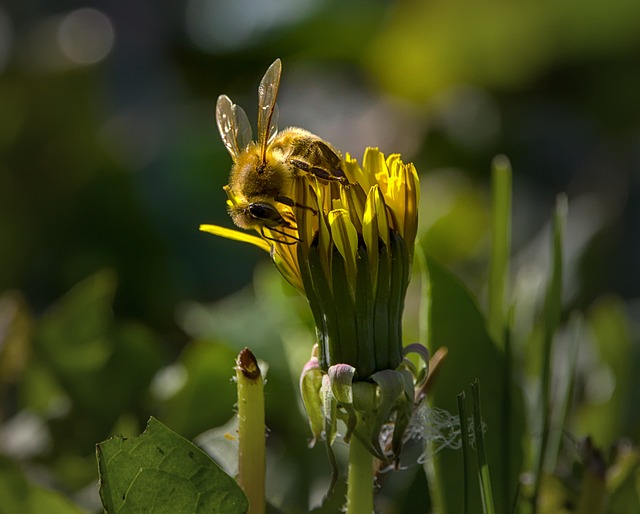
(86,351)
(160,471)
(456,322)
(18,495)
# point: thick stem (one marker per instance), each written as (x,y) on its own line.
(360,479)
(251,431)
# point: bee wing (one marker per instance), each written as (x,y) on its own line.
(233,125)
(267,110)
(273,128)
(329,159)
(244,136)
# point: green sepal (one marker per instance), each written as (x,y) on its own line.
(419,349)
(399,280)
(329,335)
(391,388)
(344,347)
(330,410)
(304,258)
(404,411)
(364,306)
(310,386)
(341,380)
(381,311)
(366,405)
(421,375)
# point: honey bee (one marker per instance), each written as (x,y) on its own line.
(263,171)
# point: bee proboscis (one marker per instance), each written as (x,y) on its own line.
(263,171)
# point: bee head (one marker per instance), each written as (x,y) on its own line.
(258,214)
(266,214)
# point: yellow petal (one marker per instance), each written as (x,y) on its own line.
(353,198)
(412,200)
(345,237)
(287,264)
(375,167)
(236,235)
(370,232)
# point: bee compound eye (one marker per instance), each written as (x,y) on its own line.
(264,211)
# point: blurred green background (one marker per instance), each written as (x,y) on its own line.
(114,307)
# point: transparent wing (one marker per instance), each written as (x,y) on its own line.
(273,128)
(233,125)
(267,94)
(244,136)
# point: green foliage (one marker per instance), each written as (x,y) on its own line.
(612,412)
(85,350)
(207,395)
(160,471)
(457,323)
(517,41)
(20,495)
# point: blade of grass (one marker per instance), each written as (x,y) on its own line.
(500,246)
(566,393)
(552,309)
(508,415)
(486,491)
(498,320)
(464,435)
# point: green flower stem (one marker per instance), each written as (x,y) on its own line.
(360,479)
(251,431)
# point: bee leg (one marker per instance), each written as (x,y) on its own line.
(291,203)
(337,174)
(295,239)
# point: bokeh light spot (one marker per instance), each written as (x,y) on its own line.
(216,25)
(86,36)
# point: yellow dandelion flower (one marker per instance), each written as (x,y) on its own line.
(343,234)
(350,251)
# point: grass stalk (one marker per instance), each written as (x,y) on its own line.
(464,435)
(500,246)
(486,492)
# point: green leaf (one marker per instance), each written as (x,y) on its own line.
(500,246)
(464,434)
(84,348)
(160,471)
(551,320)
(483,467)
(19,495)
(456,322)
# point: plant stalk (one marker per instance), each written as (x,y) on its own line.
(251,431)
(360,479)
